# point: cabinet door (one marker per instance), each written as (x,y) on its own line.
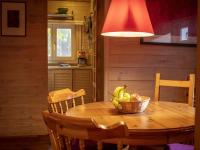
(82,79)
(50,80)
(62,79)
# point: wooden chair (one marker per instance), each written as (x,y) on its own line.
(68,127)
(59,97)
(51,127)
(173,83)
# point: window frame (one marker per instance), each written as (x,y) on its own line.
(54,58)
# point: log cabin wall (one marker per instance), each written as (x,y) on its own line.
(23,75)
(131,63)
(197,121)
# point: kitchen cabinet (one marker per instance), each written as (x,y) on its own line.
(50,80)
(73,78)
(82,79)
(62,79)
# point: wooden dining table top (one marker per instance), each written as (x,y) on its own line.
(158,117)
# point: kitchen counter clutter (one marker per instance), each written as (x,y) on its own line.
(73,77)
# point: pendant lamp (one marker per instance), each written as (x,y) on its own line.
(127,18)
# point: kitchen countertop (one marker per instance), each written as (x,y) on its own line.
(68,67)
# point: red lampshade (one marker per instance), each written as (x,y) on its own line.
(127,18)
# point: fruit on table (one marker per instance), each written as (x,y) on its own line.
(118,91)
(120,94)
(115,102)
(135,97)
(125,98)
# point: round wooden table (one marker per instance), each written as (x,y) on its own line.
(161,123)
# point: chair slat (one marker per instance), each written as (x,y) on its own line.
(157,87)
(173,83)
(61,108)
(56,109)
(191,90)
(52,107)
(73,101)
(66,104)
(82,100)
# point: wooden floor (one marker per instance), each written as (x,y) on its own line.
(25,143)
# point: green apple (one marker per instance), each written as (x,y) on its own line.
(126,98)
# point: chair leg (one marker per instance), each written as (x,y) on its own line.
(99,145)
(119,146)
(68,143)
(81,144)
(126,148)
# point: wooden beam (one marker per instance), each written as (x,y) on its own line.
(100,51)
(197,121)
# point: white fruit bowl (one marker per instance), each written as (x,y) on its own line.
(134,106)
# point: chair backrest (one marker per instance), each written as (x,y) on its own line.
(59,97)
(176,83)
(51,126)
(86,128)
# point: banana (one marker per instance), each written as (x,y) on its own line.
(119,91)
(120,95)
(115,102)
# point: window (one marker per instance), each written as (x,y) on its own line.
(184,34)
(64,44)
(61,47)
(49,42)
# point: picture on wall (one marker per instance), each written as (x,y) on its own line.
(13,19)
(174,22)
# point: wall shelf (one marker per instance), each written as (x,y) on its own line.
(61,16)
(70,22)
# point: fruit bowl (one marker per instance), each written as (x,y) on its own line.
(134,106)
(125,102)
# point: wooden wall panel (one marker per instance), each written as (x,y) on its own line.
(23,76)
(131,63)
(135,74)
(197,121)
